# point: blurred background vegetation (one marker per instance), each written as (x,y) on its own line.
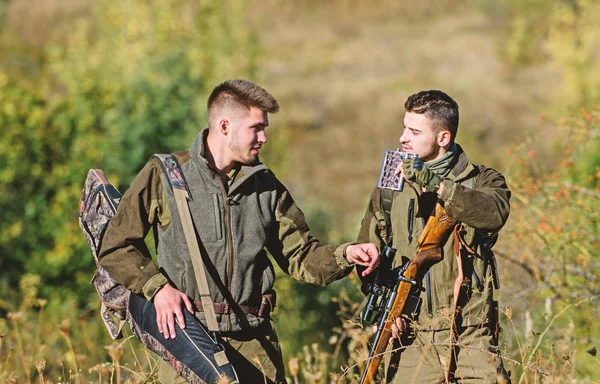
(105,84)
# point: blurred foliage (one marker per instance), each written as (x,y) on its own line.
(127,83)
(565,33)
(552,243)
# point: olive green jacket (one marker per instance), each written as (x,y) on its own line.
(478,198)
(236,223)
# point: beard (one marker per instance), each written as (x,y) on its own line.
(243,156)
(432,152)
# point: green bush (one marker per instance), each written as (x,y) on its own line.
(127,83)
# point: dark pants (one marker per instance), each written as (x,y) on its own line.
(192,346)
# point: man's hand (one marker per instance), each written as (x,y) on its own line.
(397,328)
(167,302)
(365,254)
(415,170)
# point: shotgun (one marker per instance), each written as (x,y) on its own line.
(429,252)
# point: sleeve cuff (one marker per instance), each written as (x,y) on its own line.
(340,256)
(153,285)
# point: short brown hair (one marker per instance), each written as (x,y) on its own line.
(437,106)
(241,94)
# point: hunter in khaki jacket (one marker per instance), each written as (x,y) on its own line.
(237,224)
(478,198)
(240,211)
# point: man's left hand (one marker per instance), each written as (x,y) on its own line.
(365,254)
(414,169)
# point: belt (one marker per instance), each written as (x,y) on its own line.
(266,307)
(223,308)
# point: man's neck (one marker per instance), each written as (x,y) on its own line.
(214,154)
(442,165)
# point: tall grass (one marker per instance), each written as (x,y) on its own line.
(57,342)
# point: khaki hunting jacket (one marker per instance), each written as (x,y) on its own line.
(235,223)
(478,198)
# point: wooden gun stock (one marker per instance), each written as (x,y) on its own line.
(429,252)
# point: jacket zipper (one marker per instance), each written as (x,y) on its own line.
(229,244)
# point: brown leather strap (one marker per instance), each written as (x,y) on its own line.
(460,278)
(457,286)
(459,235)
(224,308)
(266,307)
(267,304)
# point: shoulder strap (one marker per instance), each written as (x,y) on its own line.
(182,195)
(387,197)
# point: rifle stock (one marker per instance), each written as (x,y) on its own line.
(429,252)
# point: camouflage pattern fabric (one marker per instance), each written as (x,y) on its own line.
(98,204)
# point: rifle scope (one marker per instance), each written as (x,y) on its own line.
(377,288)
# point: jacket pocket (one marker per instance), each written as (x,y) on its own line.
(208,217)
(218,218)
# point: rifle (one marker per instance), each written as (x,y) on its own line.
(394,301)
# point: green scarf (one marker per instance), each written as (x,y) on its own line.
(444,164)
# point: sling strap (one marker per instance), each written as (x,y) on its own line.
(387,198)
(182,196)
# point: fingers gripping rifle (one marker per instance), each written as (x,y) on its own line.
(394,300)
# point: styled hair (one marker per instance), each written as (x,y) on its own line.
(240,94)
(440,108)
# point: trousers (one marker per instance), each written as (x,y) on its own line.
(255,354)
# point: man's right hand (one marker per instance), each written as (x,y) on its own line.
(365,254)
(397,328)
(167,303)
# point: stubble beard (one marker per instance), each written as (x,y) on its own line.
(432,153)
(243,157)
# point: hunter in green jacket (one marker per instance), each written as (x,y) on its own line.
(240,210)
(478,198)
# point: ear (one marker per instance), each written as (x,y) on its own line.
(444,138)
(224,126)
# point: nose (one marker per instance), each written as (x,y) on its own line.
(403,137)
(262,137)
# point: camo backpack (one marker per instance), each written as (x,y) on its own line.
(98,204)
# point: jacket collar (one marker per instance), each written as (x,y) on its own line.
(463,169)
(239,174)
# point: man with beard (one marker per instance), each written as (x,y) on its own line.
(452,336)
(239,210)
